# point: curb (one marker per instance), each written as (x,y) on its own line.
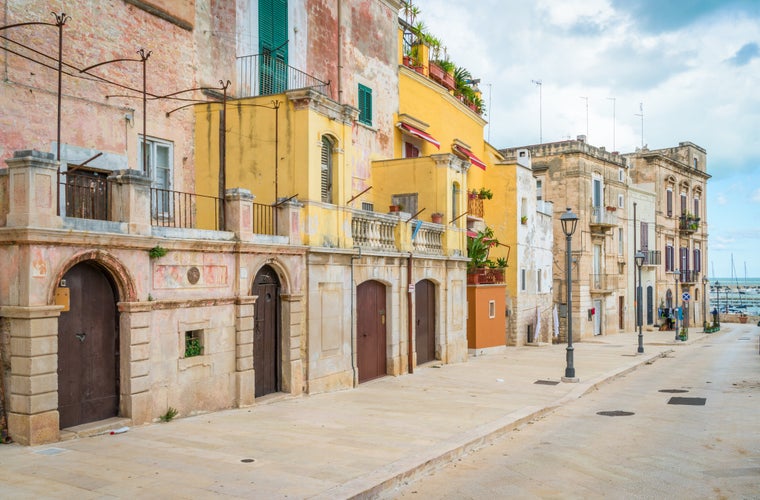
(395,474)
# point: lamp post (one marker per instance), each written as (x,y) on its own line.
(705,281)
(676,275)
(569,222)
(639,262)
(717,292)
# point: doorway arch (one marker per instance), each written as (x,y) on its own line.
(266,332)
(88,347)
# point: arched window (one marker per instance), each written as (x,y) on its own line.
(327,170)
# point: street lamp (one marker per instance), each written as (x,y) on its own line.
(569,222)
(639,319)
(705,281)
(676,275)
(717,292)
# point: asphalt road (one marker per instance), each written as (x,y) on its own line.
(648,448)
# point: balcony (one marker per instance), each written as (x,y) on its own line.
(688,224)
(603,218)
(689,276)
(652,258)
(603,283)
(263,74)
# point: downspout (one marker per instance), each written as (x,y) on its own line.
(409,292)
(340,52)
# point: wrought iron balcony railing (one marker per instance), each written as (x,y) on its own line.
(264,74)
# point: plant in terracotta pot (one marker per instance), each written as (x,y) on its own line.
(436,217)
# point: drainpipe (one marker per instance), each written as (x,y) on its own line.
(409,311)
(340,53)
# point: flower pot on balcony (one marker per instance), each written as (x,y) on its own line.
(394,209)
(436,217)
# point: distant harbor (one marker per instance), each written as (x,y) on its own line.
(736,295)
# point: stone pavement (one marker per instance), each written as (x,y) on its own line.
(360,442)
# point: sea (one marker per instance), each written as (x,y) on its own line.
(737,295)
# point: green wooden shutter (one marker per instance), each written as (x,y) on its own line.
(365,105)
(273,46)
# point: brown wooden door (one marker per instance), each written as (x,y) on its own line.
(424,312)
(370,330)
(88,349)
(266,332)
(621,313)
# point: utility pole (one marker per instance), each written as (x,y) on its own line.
(540,84)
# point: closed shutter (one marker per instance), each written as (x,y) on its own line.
(644,237)
(273,45)
(365,105)
(326,170)
(684,258)
(670,202)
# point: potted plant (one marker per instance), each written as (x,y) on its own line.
(501,262)
(472,194)
(524,219)
(436,217)
(394,208)
(485,194)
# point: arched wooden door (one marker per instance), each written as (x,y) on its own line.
(424,324)
(88,348)
(370,330)
(266,331)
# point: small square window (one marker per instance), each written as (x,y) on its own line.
(491,309)
(193,343)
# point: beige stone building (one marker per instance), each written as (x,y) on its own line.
(678,177)
(593,184)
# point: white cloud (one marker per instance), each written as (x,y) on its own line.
(756,196)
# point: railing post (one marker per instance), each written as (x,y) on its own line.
(31,195)
(238,213)
(130,201)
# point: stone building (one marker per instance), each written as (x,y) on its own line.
(593,183)
(678,177)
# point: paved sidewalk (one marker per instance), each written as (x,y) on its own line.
(358,442)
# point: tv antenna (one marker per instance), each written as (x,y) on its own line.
(540,84)
(641,108)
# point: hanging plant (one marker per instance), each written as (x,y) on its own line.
(157,252)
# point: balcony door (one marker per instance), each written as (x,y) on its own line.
(273,46)
(597,199)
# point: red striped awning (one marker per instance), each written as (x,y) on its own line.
(473,159)
(419,133)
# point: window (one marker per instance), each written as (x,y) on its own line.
(160,172)
(327,170)
(491,309)
(683,204)
(696,207)
(411,151)
(365,105)
(696,163)
(538,280)
(455,192)
(621,201)
(621,175)
(669,257)
(620,241)
(193,343)
(669,198)
(697,260)
(539,190)
(684,258)
(523,285)
(407,202)
(273,45)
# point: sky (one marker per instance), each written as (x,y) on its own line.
(691,67)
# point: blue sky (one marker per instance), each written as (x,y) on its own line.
(693,65)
